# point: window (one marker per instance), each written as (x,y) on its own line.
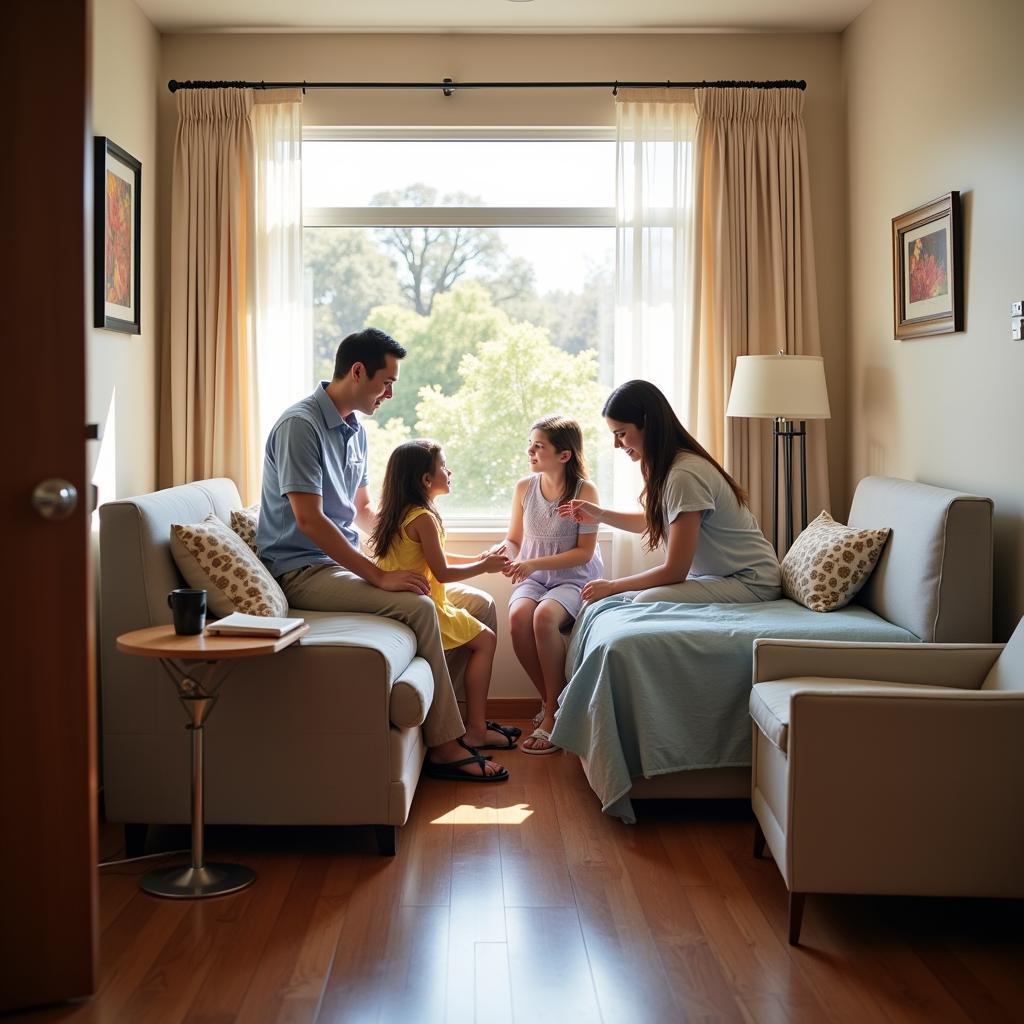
(490,257)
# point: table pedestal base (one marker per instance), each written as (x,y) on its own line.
(194,883)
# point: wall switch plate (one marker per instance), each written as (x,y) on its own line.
(1017,308)
(1016,331)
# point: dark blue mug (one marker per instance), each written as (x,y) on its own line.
(189,609)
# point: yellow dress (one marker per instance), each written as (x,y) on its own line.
(457,625)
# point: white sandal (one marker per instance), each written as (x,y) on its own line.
(540,734)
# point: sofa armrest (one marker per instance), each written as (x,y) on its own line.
(955,665)
(919,794)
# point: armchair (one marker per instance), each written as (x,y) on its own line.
(890,768)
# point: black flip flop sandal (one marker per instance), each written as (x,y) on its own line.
(510,732)
(449,770)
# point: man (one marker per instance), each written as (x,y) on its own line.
(315,491)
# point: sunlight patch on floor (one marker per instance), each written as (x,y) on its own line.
(467,814)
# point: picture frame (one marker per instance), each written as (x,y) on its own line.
(117,236)
(927,261)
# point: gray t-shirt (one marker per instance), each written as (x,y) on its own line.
(730,543)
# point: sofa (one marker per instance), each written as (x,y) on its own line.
(324,733)
(890,768)
(657,699)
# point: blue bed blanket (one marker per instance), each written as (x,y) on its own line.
(658,688)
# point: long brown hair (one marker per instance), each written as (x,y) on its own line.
(403,489)
(642,404)
(565,435)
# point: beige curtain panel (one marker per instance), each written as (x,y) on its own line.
(209,415)
(755,290)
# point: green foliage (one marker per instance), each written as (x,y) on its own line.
(381,439)
(350,275)
(512,380)
(461,320)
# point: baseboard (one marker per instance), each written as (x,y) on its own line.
(512,707)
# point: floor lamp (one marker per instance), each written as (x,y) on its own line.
(788,390)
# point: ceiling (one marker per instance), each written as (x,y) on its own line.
(501,15)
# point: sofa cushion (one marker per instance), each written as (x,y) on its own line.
(828,563)
(395,641)
(244,522)
(770,703)
(214,558)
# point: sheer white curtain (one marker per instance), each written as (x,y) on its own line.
(236,352)
(654,326)
(284,353)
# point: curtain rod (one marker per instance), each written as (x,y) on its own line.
(448,86)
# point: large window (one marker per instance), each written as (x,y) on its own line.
(490,257)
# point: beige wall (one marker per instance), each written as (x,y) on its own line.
(815,58)
(122,367)
(934,103)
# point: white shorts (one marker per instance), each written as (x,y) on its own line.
(566,594)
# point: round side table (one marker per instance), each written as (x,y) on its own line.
(197,665)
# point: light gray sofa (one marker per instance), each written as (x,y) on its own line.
(934,579)
(324,733)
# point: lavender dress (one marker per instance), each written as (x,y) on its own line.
(545,532)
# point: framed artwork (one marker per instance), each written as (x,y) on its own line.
(927,269)
(117,229)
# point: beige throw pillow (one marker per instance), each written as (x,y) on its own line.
(828,563)
(244,522)
(213,557)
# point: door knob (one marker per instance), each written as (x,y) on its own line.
(55,499)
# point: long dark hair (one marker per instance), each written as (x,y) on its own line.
(403,489)
(642,404)
(565,435)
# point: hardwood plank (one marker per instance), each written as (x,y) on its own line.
(233,966)
(293,928)
(534,872)
(413,982)
(757,962)
(551,979)
(622,951)
(426,846)
(492,1000)
(477,914)
(301,998)
(178,972)
(419,875)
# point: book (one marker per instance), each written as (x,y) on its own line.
(239,624)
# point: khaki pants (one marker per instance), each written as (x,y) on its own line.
(330,588)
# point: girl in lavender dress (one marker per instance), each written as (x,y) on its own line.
(551,559)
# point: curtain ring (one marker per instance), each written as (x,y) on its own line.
(446,87)
(615,88)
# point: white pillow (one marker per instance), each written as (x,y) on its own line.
(215,559)
(244,522)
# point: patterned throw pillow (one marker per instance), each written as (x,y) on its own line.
(244,522)
(213,557)
(828,563)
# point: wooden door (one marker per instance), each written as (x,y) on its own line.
(47,686)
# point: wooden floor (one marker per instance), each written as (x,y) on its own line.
(522,902)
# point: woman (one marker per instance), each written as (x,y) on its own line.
(714,551)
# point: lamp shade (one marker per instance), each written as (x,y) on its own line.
(774,387)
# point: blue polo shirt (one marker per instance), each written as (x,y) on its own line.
(311,450)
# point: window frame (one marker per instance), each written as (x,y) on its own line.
(477,526)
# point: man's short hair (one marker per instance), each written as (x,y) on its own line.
(369,347)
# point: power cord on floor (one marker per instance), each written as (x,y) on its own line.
(143,856)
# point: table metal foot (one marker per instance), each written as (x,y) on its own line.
(194,883)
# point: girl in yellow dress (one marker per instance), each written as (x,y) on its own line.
(409,535)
